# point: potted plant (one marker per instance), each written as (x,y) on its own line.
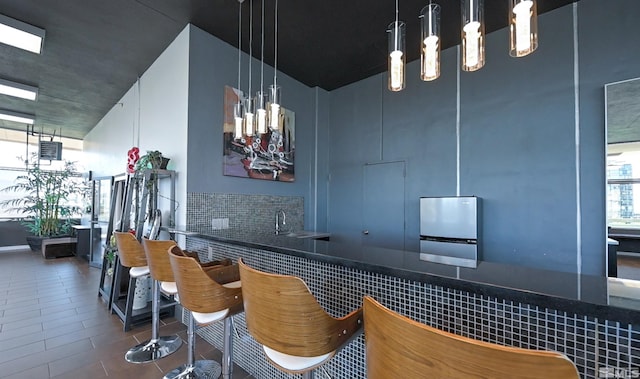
(110,251)
(44,198)
(152,159)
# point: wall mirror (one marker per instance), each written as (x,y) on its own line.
(622,112)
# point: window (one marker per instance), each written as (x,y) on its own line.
(12,158)
(623,185)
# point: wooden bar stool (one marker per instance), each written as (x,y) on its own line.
(157,253)
(397,346)
(132,255)
(210,294)
(296,333)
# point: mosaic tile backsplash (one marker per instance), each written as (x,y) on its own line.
(599,348)
(254,213)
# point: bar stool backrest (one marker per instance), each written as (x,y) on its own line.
(185,253)
(396,344)
(130,251)
(283,315)
(157,252)
(204,292)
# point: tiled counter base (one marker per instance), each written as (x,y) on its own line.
(594,344)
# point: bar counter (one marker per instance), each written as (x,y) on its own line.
(595,337)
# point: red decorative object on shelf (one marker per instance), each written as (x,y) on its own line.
(133,155)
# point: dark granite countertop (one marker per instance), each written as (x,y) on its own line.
(404,264)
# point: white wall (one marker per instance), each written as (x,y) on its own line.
(151,115)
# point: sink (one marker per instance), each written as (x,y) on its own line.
(307,234)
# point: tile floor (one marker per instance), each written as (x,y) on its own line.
(53,325)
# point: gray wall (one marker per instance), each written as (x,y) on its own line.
(517,143)
(212,65)
(514,145)
(526,182)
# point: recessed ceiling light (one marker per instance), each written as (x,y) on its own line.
(19,34)
(17,117)
(23,91)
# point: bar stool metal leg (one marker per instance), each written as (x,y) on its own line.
(128,308)
(156,347)
(227,347)
(308,375)
(201,369)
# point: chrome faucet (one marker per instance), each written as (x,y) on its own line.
(280,229)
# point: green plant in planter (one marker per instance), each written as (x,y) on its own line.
(45,196)
(110,250)
(153,159)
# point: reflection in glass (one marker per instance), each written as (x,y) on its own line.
(623,192)
(623,182)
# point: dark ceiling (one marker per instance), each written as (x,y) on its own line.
(94,50)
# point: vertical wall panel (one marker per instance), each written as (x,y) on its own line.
(518,150)
(419,126)
(608,53)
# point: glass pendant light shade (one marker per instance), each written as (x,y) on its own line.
(261,112)
(430,45)
(249,116)
(472,35)
(397,50)
(274,107)
(261,98)
(238,110)
(523,27)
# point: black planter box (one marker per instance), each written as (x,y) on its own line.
(53,247)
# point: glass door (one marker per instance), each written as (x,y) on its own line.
(99,219)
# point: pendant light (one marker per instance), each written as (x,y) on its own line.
(430,42)
(472,35)
(238,108)
(249,101)
(523,27)
(274,90)
(396,32)
(261,99)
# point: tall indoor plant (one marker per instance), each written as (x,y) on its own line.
(45,198)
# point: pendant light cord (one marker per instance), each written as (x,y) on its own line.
(396,11)
(239,39)
(396,38)
(262,52)
(275,59)
(250,43)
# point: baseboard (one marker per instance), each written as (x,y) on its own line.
(5,249)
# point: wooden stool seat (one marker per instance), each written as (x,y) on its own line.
(297,334)
(211,294)
(236,284)
(133,255)
(211,317)
(169,288)
(157,252)
(130,255)
(294,363)
(137,272)
(398,346)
